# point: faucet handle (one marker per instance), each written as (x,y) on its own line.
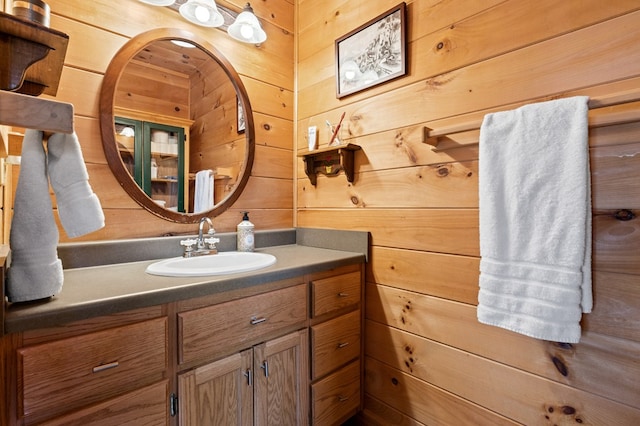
(211,242)
(188,245)
(188,242)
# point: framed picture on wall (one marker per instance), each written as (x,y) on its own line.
(372,53)
(240,115)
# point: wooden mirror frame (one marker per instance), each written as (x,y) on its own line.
(107,124)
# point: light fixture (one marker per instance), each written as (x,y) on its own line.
(247,28)
(159,2)
(202,12)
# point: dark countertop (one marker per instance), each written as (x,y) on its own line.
(92,291)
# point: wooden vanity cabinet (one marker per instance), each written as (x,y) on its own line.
(262,385)
(101,371)
(261,382)
(288,355)
(336,344)
(291,356)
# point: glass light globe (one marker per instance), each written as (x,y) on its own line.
(247,31)
(202,14)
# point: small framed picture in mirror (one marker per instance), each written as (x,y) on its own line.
(240,115)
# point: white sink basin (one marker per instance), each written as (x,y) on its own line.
(223,263)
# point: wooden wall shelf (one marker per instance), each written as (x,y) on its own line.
(330,161)
(31,56)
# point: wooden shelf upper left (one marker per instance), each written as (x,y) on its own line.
(31,56)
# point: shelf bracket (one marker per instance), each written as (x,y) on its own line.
(330,161)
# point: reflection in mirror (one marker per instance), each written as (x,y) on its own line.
(176,125)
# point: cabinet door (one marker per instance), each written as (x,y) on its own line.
(154,155)
(129,137)
(219,393)
(281,367)
(164,165)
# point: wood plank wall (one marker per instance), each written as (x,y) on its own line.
(97,29)
(428,360)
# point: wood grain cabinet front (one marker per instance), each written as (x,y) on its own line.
(262,385)
(337,396)
(68,374)
(331,293)
(336,344)
(210,332)
(142,407)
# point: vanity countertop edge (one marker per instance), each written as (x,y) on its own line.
(100,290)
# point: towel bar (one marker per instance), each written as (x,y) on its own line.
(603,112)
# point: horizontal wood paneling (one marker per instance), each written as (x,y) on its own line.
(442,275)
(473,82)
(590,365)
(467,59)
(518,395)
(441,230)
(435,405)
(272,162)
(425,186)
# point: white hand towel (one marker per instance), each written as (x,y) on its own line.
(35,271)
(535,219)
(203,198)
(79,209)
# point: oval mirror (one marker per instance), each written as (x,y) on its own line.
(176,125)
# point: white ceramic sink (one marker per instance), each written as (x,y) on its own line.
(223,263)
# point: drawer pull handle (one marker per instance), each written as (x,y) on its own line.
(104,367)
(249,377)
(255,320)
(342,398)
(343,345)
(343,294)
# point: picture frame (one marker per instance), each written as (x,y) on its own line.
(241,125)
(373,53)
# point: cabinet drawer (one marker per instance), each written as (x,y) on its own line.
(334,343)
(142,407)
(333,293)
(336,396)
(223,328)
(69,373)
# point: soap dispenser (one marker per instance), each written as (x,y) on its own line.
(245,234)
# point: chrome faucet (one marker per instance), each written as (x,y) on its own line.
(201,229)
(203,245)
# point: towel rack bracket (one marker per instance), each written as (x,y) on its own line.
(428,138)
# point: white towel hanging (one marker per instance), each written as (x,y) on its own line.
(203,198)
(535,219)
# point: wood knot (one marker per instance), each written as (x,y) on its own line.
(563,345)
(624,215)
(394,381)
(443,171)
(560,366)
(266,126)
